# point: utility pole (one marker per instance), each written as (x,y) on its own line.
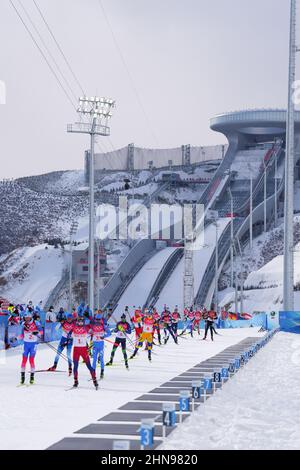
(98,112)
(73,230)
(288,262)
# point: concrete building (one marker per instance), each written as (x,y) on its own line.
(80,261)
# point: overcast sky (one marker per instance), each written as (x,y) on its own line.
(188,59)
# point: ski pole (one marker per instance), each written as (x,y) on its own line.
(63,356)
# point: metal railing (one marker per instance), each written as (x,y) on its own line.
(225,239)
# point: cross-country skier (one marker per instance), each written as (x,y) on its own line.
(147,334)
(197,319)
(66,341)
(209,323)
(100,331)
(122,330)
(137,323)
(80,334)
(166,318)
(175,320)
(31,330)
(156,326)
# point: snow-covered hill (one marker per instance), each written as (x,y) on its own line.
(31,273)
(29,217)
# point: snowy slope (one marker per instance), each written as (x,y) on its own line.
(257,409)
(272,273)
(54,413)
(139,289)
(32,273)
(172,293)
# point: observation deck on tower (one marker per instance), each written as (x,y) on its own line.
(250,127)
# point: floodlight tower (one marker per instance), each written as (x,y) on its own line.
(73,230)
(98,112)
(288,268)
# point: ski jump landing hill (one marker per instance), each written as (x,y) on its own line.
(256,151)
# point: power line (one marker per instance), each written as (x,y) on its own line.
(42,53)
(55,62)
(59,47)
(47,49)
(127,70)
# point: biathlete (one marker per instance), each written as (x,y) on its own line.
(66,341)
(122,330)
(175,319)
(156,325)
(80,334)
(137,320)
(197,319)
(31,330)
(99,331)
(146,336)
(166,318)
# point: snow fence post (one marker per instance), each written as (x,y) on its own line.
(207,385)
(224,374)
(169,417)
(147,433)
(184,403)
(196,393)
(216,379)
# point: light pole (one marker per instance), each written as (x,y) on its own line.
(231,237)
(98,112)
(98,273)
(265,198)
(288,258)
(216,270)
(235,285)
(275,191)
(73,230)
(251,209)
(242,277)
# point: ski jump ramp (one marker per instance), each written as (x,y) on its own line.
(138,290)
(172,293)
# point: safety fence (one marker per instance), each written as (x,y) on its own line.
(10,334)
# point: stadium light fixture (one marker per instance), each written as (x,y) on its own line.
(97,111)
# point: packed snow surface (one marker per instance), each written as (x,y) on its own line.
(257,409)
(36,417)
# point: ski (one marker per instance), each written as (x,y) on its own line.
(47,370)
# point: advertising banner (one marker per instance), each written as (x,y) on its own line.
(290,322)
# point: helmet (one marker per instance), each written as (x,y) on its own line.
(98,316)
(28,314)
(123,316)
(69,316)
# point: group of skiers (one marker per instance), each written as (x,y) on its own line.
(83,335)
